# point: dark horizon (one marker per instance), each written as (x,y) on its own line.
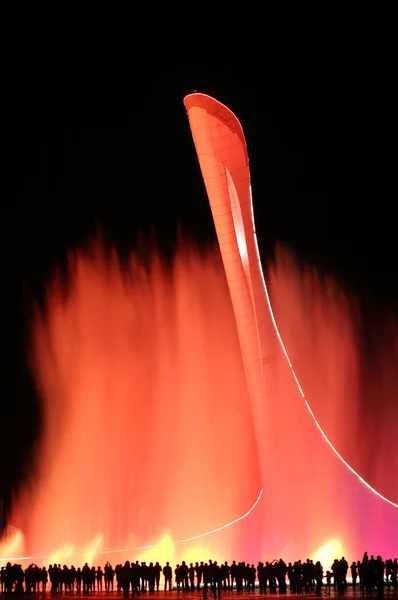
(322,180)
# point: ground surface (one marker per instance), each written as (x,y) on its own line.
(350,594)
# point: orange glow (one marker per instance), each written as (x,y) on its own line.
(327,553)
(144,397)
(63,555)
(11,545)
(172,400)
(163,551)
(93,549)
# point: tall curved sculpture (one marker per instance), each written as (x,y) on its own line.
(221,148)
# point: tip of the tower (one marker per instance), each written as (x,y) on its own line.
(204,101)
(215,108)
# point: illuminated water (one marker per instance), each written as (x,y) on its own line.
(148,438)
(347,367)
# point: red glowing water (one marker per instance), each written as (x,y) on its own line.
(146,425)
(347,368)
(148,432)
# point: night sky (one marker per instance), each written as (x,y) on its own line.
(320,141)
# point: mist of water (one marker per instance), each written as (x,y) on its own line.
(148,437)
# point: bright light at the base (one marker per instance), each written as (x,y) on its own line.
(163,550)
(327,553)
(93,549)
(61,555)
(12,544)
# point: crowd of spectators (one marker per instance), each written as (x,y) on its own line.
(135,578)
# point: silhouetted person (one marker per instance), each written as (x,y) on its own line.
(135,579)
(206,579)
(184,576)
(168,576)
(394,573)
(44,580)
(281,570)
(124,578)
(354,574)
(144,576)
(86,576)
(92,580)
(328,582)
(318,574)
(109,575)
(191,577)
(78,578)
(216,579)
(225,576)
(151,577)
(177,577)
(158,570)
(379,576)
(199,574)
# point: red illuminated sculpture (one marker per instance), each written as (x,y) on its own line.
(223,159)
